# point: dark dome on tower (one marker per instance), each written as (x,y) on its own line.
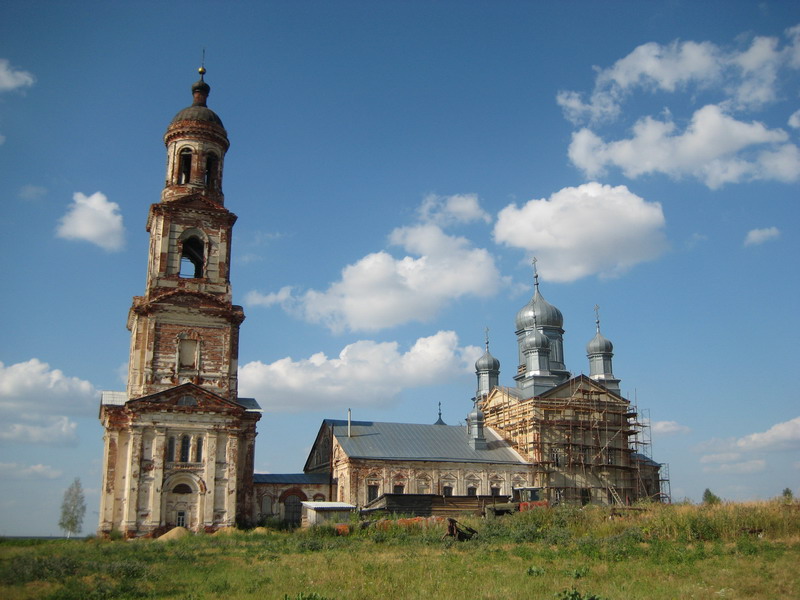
(198,111)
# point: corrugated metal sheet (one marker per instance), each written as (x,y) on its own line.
(407,441)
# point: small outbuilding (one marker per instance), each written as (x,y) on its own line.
(319,513)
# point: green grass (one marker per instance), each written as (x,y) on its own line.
(725,551)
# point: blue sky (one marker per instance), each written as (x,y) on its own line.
(395,166)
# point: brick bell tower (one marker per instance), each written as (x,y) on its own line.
(185,328)
(179,444)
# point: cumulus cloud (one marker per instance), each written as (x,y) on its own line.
(11,471)
(666,428)
(794,120)
(380,291)
(34,402)
(747,454)
(737,468)
(452,210)
(282,297)
(51,431)
(13,79)
(365,373)
(755,237)
(745,78)
(715,148)
(585,230)
(723,457)
(32,386)
(93,219)
(783,436)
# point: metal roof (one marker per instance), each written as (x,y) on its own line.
(407,441)
(321,506)
(113,398)
(292,478)
(120,398)
(249,404)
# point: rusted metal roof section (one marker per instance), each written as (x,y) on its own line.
(407,441)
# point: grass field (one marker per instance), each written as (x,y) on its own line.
(740,551)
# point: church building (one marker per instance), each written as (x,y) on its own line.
(179,442)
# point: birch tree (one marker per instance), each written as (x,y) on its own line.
(72,509)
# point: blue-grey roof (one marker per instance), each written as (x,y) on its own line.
(638,457)
(406,441)
(248,403)
(292,478)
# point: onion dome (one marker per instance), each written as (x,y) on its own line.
(599,345)
(535,340)
(487,362)
(198,111)
(477,417)
(538,312)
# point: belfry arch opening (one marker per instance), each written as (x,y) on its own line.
(192,257)
(211,178)
(184,166)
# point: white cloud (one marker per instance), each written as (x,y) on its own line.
(722,457)
(13,79)
(380,291)
(32,386)
(714,147)
(10,471)
(585,230)
(783,436)
(452,210)
(759,236)
(55,431)
(282,297)
(34,400)
(744,79)
(794,120)
(737,468)
(666,428)
(366,373)
(93,219)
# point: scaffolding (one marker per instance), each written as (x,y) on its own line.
(586,447)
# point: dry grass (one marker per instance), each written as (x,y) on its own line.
(730,551)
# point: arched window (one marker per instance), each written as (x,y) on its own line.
(319,497)
(170,449)
(184,166)
(266,505)
(192,257)
(186,400)
(185,441)
(212,165)
(198,450)
(182,488)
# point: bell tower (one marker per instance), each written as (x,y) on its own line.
(179,444)
(185,328)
